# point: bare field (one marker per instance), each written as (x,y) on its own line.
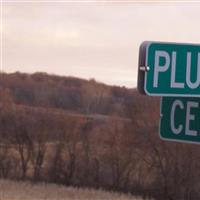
(10,190)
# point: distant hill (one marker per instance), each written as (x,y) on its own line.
(70,93)
(81,133)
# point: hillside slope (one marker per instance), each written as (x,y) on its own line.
(71,94)
(82,133)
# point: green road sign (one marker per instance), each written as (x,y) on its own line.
(169,69)
(180,119)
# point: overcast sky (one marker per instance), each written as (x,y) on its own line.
(91,40)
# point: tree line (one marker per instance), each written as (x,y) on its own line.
(68,93)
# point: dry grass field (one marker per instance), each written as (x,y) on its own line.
(10,190)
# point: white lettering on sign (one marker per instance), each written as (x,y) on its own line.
(159,68)
(190,117)
(188,72)
(170,64)
(176,104)
(173,83)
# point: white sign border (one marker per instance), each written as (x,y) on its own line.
(148,43)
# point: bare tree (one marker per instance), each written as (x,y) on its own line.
(23,144)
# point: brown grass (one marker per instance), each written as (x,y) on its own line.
(10,190)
